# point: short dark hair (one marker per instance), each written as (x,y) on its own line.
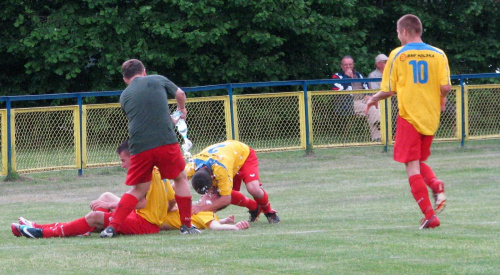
(410,23)
(202,180)
(131,68)
(123,147)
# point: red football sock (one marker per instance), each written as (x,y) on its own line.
(421,195)
(427,174)
(237,198)
(126,205)
(264,203)
(430,179)
(74,228)
(49,225)
(184,204)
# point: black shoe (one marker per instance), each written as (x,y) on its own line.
(272,217)
(254,214)
(26,231)
(109,232)
(192,230)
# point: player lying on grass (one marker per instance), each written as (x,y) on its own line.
(224,166)
(96,221)
(153,212)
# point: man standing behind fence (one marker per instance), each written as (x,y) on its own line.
(420,75)
(152,142)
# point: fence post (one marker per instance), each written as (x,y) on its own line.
(462,95)
(230,94)
(309,147)
(11,175)
(80,113)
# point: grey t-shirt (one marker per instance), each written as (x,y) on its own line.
(145,104)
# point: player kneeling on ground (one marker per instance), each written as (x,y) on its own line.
(223,166)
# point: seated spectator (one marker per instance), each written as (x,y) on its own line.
(359,100)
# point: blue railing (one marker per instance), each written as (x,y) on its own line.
(229,90)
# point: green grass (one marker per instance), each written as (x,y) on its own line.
(343,211)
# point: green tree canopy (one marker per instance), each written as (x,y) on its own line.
(71,46)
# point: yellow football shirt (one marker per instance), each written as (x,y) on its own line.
(416,72)
(225,159)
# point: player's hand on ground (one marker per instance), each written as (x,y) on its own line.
(242,225)
(230,219)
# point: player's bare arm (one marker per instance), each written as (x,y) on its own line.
(445,89)
(373,101)
(180,98)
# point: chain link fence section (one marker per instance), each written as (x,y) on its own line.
(48,138)
(208,121)
(334,122)
(270,121)
(105,127)
(482,111)
(44,139)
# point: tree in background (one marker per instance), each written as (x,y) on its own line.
(72,46)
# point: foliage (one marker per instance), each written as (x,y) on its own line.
(70,46)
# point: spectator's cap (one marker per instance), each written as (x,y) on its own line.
(381,57)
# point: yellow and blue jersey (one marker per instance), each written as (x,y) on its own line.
(416,72)
(225,159)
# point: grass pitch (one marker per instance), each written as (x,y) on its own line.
(343,211)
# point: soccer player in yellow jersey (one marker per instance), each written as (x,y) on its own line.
(157,211)
(223,166)
(420,76)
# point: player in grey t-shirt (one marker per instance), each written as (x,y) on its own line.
(152,142)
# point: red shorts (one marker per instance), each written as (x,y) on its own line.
(133,225)
(248,172)
(168,158)
(410,144)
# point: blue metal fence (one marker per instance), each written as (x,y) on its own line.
(229,88)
